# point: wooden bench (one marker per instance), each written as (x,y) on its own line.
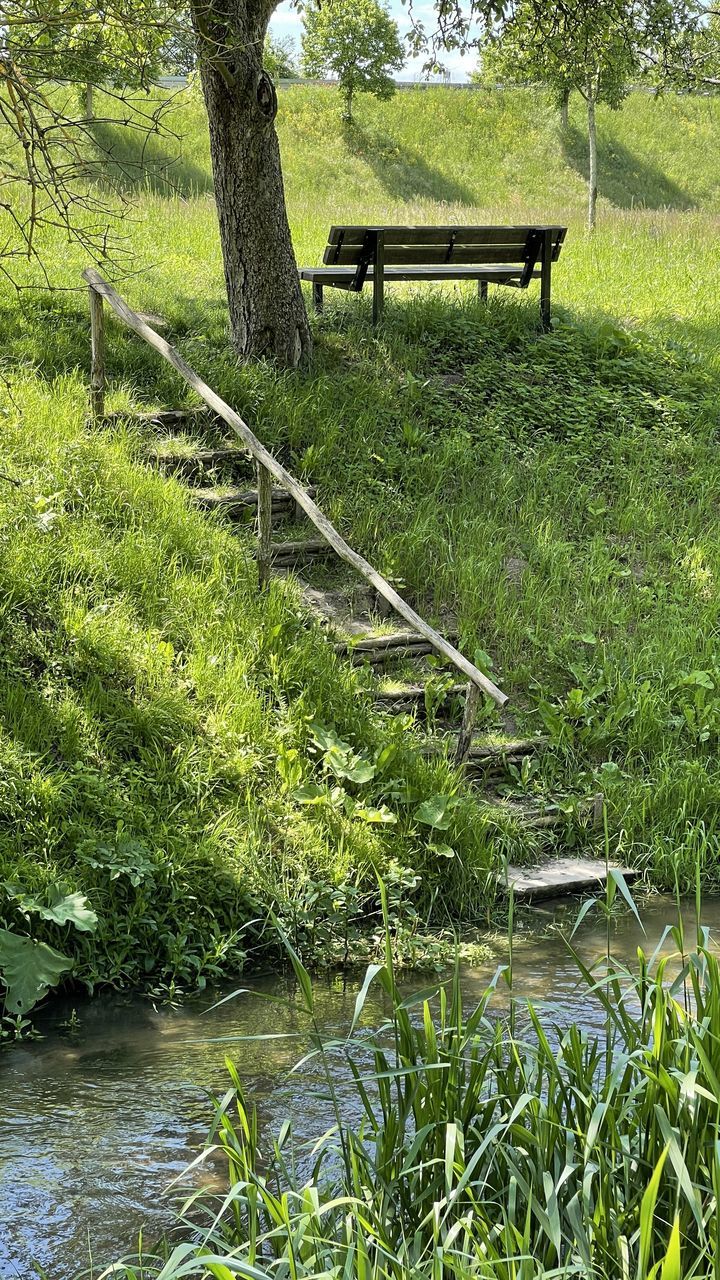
(491,255)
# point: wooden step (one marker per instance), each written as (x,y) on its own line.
(529,816)
(563,877)
(197,463)
(487,757)
(507,747)
(411,697)
(398,646)
(160,419)
(286,554)
(238,501)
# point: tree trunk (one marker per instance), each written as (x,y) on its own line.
(347,111)
(565,109)
(89,102)
(267,310)
(592,147)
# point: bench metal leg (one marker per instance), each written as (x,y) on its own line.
(378,277)
(546,269)
(482,290)
(317,291)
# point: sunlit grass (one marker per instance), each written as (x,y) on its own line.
(161,690)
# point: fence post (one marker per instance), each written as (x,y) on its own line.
(97,366)
(264,522)
(464,742)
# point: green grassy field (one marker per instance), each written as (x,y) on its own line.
(148,693)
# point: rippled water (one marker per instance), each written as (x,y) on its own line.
(93,1128)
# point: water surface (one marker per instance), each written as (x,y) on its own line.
(94,1127)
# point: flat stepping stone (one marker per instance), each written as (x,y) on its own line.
(561,878)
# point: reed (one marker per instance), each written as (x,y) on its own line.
(482,1151)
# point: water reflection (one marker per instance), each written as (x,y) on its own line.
(91,1129)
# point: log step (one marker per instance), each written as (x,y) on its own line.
(411,697)
(286,554)
(395,647)
(189,465)
(241,500)
(563,877)
(160,419)
(394,640)
(488,757)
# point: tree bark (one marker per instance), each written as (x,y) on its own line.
(89,102)
(592,148)
(565,109)
(267,310)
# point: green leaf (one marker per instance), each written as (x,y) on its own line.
(310,793)
(381,815)
(436,811)
(28,970)
(671,1267)
(65,909)
(647,1212)
(443,850)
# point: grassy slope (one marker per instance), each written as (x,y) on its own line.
(147,692)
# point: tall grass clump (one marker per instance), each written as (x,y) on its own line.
(487,1146)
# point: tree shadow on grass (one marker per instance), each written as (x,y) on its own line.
(401,170)
(133,160)
(51,334)
(626,179)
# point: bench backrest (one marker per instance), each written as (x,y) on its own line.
(440,246)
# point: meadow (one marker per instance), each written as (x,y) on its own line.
(152,703)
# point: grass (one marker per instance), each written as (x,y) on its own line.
(479,1144)
(560,499)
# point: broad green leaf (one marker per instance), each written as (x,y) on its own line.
(310,793)
(67,908)
(28,969)
(443,850)
(436,811)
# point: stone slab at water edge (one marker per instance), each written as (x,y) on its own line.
(563,877)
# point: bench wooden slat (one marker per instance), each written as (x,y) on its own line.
(512,256)
(438,235)
(431,255)
(493,274)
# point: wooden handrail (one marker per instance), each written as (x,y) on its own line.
(99,288)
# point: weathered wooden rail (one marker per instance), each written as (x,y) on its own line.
(268,469)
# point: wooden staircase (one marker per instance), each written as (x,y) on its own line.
(192,445)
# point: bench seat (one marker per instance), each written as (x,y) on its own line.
(512,256)
(343,277)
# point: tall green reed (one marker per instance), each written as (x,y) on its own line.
(485,1149)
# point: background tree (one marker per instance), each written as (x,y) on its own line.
(48,154)
(279,59)
(596,50)
(358,43)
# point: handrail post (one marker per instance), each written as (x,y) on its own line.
(464,742)
(97,344)
(264,523)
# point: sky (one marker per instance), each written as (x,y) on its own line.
(287,22)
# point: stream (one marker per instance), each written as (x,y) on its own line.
(95,1123)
